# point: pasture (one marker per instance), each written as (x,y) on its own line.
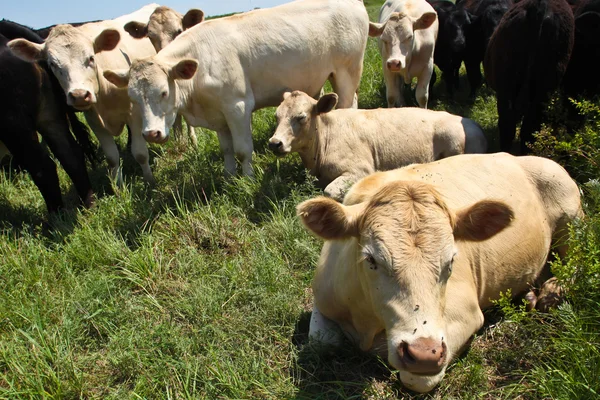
(199,287)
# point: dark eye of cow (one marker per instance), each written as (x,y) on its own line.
(371,261)
(179,31)
(164,94)
(301,118)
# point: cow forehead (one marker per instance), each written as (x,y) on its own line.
(398,25)
(65,40)
(295,103)
(146,75)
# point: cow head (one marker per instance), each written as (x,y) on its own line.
(296,121)
(405,250)
(72,58)
(164,25)
(152,89)
(397,37)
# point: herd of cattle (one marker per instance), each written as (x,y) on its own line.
(411,255)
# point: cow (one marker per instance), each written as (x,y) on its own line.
(78,56)
(32,101)
(581,77)
(218,72)
(164,26)
(524,63)
(413,255)
(407,31)
(451,44)
(342,146)
(486,14)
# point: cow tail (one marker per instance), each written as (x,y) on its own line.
(82,135)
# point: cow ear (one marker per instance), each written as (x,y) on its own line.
(184,69)
(192,17)
(329,219)
(326,103)
(482,220)
(286,95)
(138,30)
(119,78)
(26,50)
(425,21)
(375,29)
(107,40)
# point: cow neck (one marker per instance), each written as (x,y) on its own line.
(313,156)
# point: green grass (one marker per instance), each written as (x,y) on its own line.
(199,288)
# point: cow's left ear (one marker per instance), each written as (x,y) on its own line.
(26,50)
(482,220)
(192,17)
(375,29)
(329,219)
(107,40)
(425,21)
(184,69)
(136,29)
(119,78)
(326,103)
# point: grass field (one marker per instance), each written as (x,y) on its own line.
(199,288)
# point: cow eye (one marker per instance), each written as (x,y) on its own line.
(164,94)
(371,261)
(301,118)
(179,31)
(92,59)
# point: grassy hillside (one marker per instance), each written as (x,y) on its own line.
(199,287)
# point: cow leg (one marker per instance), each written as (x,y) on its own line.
(472,65)
(422,91)
(139,149)
(226,144)
(393,87)
(324,331)
(339,186)
(109,147)
(3,151)
(531,123)
(345,84)
(69,153)
(507,123)
(239,119)
(178,127)
(191,133)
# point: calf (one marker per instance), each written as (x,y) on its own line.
(407,32)
(78,56)
(164,26)
(526,58)
(342,146)
(451,43)
(414,254)
(32,101)
(216,73)
(486,16)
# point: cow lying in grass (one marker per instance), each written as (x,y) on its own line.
(342,146)
(414,254)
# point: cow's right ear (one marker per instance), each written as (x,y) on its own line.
(326,103)
(375,29)
(192,17)
(136,29)
(329,219)
(26,50)
(184,69)
(425,21)
(119,78)
(107,40)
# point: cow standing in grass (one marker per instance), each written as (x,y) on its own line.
(407,32)
(414,254)
(342,146)
(218,72)
(78,56)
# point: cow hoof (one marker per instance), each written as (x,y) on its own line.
(531,298)
(550,296)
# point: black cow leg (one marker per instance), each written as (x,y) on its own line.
(507,124)
(473,74)
(531,124)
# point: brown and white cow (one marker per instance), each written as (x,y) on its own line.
(342,146)
(164,26)
(414,254)
(218,72)
(78,57)
(407,32)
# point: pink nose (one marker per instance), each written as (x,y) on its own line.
(154,136)
(424,355)
(80,97)
(394,65)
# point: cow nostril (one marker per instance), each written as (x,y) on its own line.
(88,96)
(276,145)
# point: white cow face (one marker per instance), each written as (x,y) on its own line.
(405,252)
(296,119)
(72,58)
(397,37)
(153,90)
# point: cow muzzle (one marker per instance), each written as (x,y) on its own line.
(395,65)
(423,356)
(81,99)
(155,136)
(277,147)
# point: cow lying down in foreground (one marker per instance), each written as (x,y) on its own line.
(342,146)
(414,254)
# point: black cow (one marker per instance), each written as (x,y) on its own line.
(486,16)
(451,42)
(582,77)
(31,100)
(526,58)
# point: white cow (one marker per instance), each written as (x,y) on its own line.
(414,254)
(219,71)
(342,146)
(78,57)
(407,32)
